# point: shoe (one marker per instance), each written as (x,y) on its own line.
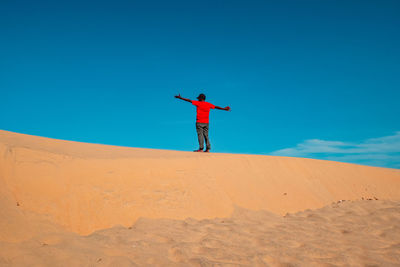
(207,150)
(198,150)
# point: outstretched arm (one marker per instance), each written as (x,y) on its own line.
(185,99)
(225,108)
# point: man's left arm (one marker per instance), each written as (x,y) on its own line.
(185,99)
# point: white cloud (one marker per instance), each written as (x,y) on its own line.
(383,151)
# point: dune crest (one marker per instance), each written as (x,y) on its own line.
(87,187)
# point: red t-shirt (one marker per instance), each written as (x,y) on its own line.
(203,110)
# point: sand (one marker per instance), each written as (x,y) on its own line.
(66,203)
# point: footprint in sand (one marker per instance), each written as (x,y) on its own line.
(176,255)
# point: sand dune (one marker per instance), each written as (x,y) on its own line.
(75,204)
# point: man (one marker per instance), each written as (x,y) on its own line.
(202,119)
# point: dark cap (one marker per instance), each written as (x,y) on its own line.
(201,97)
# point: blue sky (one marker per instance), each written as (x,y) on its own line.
(316,79)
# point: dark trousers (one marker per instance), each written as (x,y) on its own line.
(202,133)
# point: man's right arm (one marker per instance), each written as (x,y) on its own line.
(185,99)
(225,108)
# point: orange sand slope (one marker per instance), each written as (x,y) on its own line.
(350,233)
(87,187)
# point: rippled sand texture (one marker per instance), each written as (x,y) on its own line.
(73,204)
(360,233)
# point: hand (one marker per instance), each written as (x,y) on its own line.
(178,96)
(227,108)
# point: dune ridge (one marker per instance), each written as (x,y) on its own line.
(87,187)
(66,203)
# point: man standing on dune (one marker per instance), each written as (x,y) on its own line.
(202,119)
